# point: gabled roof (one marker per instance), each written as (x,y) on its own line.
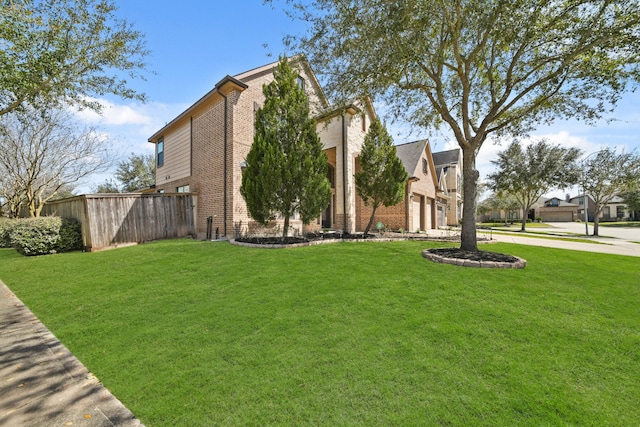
(561,203)
(353,108)
(299,59)
(443,158)
(410,153)
(238,82)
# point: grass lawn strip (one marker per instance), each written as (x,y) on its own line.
(197,333)
(620,224)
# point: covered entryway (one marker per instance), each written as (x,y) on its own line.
(328,214)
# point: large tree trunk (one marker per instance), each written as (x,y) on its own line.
(286,227)
(470,189)
(596,221)
(525,211)
(373,214)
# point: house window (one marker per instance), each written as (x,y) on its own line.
(301,82)
(182,189)
(160,152)
(606,212)
(619,211)
(425,166)
(364,122)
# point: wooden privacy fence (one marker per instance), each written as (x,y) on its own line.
(116,219)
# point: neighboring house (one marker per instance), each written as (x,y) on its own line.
(449,168)
(501,215)
(418,210)
(203,150)
(615,210)
(558,210)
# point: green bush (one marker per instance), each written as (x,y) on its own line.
(48,235)
(6,225)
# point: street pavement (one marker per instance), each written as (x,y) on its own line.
(611,240)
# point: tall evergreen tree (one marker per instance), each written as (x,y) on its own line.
(382,177)
(286,169)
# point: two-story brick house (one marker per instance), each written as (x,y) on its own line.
(418,210)
(449,168)
(203,151)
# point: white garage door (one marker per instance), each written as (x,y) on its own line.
(415,224)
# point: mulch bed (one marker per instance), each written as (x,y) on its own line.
(458,253)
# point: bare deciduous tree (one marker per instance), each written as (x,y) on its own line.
(43,152)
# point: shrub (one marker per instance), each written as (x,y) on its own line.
(6,225)
(41,236)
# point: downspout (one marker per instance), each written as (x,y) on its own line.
(224,191)
(407,203)
(344,173)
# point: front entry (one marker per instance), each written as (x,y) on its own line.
(326,217)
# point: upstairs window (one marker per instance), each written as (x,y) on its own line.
(425,166)
(301,82)
(160,152)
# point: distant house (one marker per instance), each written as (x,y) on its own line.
(615,210)
(449,169)
(204,148)
(558,210)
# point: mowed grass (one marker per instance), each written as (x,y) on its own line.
(200,333)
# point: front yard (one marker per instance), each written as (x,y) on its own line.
(200,333)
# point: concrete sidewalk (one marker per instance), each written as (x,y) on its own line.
(609,245)
(42,383)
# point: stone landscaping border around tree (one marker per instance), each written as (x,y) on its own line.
(519,263)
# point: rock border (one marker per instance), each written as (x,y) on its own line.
(520,263)
(326,241)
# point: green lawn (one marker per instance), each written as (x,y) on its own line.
(199,333)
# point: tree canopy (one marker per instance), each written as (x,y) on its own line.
(479,67)
(64,51)
(528,174)
(286,169)
(382,177)
(43,153)
(607,174)
(135,173)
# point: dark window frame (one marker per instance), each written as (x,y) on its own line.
(160,157)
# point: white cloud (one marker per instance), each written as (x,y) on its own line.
(126,128)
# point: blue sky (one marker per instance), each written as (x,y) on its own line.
(195,43)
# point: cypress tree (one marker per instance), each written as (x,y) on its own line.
(286,169)
(382,176)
